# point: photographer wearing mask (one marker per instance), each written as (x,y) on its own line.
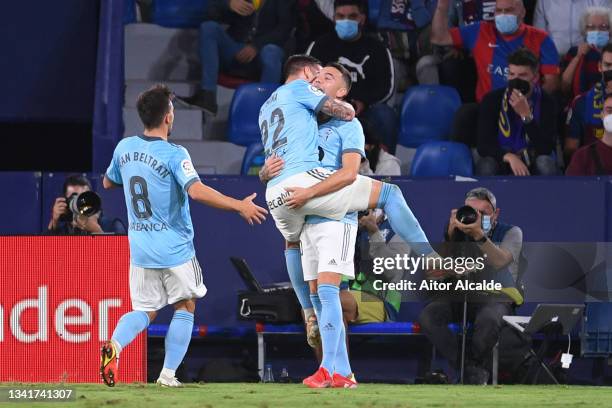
(65,222)
(500,245)
(517,125)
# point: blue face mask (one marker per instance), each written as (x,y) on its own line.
(486,224)
(598,39)
(347,29)
(506,23)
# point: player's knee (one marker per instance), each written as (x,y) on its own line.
(394,190)
(187,304)
(152,316)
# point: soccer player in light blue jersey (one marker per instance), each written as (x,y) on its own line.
(328,245)
(158,178)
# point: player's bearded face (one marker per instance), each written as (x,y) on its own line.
(170,120)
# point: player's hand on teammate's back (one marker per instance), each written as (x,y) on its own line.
(242,7)
(246,55)
(299,196)
(271,168)
(251,212)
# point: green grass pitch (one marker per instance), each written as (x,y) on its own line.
(297,396)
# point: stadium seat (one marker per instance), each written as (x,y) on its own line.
(243,126)
(252,157)
(441,158)
(373,11)
(179,13)
(427,114)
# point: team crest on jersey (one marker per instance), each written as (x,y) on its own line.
(315,91)
(188,169)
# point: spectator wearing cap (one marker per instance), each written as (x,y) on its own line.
(580,66)
(517,124)
(563,20)
(595,159)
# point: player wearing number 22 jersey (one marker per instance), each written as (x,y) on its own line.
(158,178)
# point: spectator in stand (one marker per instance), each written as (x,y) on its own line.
(561,19)
(366,58)
(377,161)
(584,124)
(595,159)
(491,42)
(517,124)
(315,19)
(580,66)
(253,41)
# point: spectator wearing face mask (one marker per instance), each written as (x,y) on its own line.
(366,58)
(491,43)
(563,20)
(517,124)
(584,125)
(595,159)
(580,66)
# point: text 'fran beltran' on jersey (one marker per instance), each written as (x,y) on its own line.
(155,164)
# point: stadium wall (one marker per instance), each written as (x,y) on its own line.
(563,209)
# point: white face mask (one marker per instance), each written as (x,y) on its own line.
(607,122)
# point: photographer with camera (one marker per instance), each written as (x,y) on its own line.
(476,228)
(76,213)
(517,126)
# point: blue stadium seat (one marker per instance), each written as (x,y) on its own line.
(243,126)
(427,114)
(179,13)
(441,158)
(129,11)
(252,157)
(373,11)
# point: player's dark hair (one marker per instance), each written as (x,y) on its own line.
(153,105)
(75,180)
(524,58)
(298,62)
(358,3)
(346,76)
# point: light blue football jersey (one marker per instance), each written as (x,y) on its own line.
(337,137)
(155,176)
(288,125)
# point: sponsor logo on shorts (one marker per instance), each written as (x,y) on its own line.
(332,262)
(278,201)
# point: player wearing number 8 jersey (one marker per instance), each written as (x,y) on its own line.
(157,179)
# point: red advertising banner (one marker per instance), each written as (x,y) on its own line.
(60,298)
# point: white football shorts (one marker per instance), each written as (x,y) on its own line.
(153,288)
(328,247)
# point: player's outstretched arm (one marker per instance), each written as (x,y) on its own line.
(248,210)
(341,178)
(338,109)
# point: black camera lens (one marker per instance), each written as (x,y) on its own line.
(466,215)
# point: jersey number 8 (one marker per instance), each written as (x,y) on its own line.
(140,197)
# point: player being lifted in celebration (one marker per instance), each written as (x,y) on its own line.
(157,179)
(328,245)
(303,188)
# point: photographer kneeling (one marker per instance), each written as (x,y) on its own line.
(483,235)
(66,219)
